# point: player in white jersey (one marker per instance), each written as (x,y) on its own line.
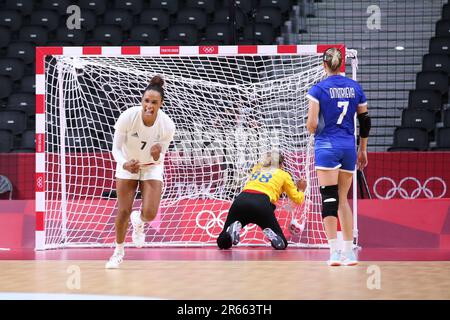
(142,137)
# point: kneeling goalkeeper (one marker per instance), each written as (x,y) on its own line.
(256,203)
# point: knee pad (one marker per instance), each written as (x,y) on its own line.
(330,201)
(224,241)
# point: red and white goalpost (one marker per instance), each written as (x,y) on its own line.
(230,104)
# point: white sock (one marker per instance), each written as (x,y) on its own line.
(348,246)
(333,244)
(120,247)
(140,217)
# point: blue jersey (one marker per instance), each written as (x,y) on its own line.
(338,99)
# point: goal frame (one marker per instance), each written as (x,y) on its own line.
(108,51)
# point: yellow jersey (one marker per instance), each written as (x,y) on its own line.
(273,182)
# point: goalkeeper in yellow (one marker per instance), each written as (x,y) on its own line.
(256,202)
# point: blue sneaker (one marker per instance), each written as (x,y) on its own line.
(276,241)
(233,230)
(349,259)
(335,259)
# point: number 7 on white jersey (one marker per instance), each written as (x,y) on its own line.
(342,104)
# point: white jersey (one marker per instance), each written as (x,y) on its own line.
(139,138)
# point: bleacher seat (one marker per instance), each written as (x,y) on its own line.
(185,33)
(410,139)
(222,16)
(5,36)
(5,87)
(217,33)
(206,5)
(10,19)
(436,62)
(244,5)
(74,37)
(282,5)
(59,6)
(28,85)
(425,99)
(269,15)
(6,140)
(97,6)
(427,80)
(24,102)
(12,67)
(446,118)
(134,6)
(170,5)
(48,19)
(442,140)
(446,11)
(109,34)
(440,45)
(28,140)
(35,34)
(25,7)
(88,20)
(443,28)
(193,16)
(22,50)
(14,121)
(418,119)
(155,17)
(119,17)
(149,35)
(260,31)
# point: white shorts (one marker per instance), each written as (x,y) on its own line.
(154,172)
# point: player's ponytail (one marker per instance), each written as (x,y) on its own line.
(156,84)
(333,59)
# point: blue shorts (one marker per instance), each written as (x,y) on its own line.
(335,158)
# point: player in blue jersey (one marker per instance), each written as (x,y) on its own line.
(333,105)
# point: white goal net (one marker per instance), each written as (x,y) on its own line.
(228,109)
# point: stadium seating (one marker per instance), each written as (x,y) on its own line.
(134,6)
(223,16)
(24,102)
(425,99)
(440,45)
(428,80)
(10,19)
(446,118)
(5,87)
(24,51)
(5,36)
(13,68)
(28,141)
(156,17)
(48,19)
(193,16)
(187,34)
(59,6)
(436,62)
(146,34)
(170,5)
(25,7)
(446,11)
(6,140)
(209,6)
(97,6)
(35,34)
(443,28)
(410,139)
(14,121)
(418,119)
(119,17)
(442,140)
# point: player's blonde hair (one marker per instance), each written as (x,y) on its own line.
(333,58)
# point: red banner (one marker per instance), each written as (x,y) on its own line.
(408,175)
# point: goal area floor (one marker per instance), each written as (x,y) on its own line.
(209,273)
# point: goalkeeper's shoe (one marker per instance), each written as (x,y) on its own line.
(276,241)
(349,258)
(233,230)
(138,234)
(335,259)
(115,260)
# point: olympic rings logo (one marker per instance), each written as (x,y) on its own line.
(39,182)
(415,193)
(208,50)
(213,221)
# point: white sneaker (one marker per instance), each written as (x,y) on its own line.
(335,259)
(233,230)
(138,234)
(115,260)
(349,259)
